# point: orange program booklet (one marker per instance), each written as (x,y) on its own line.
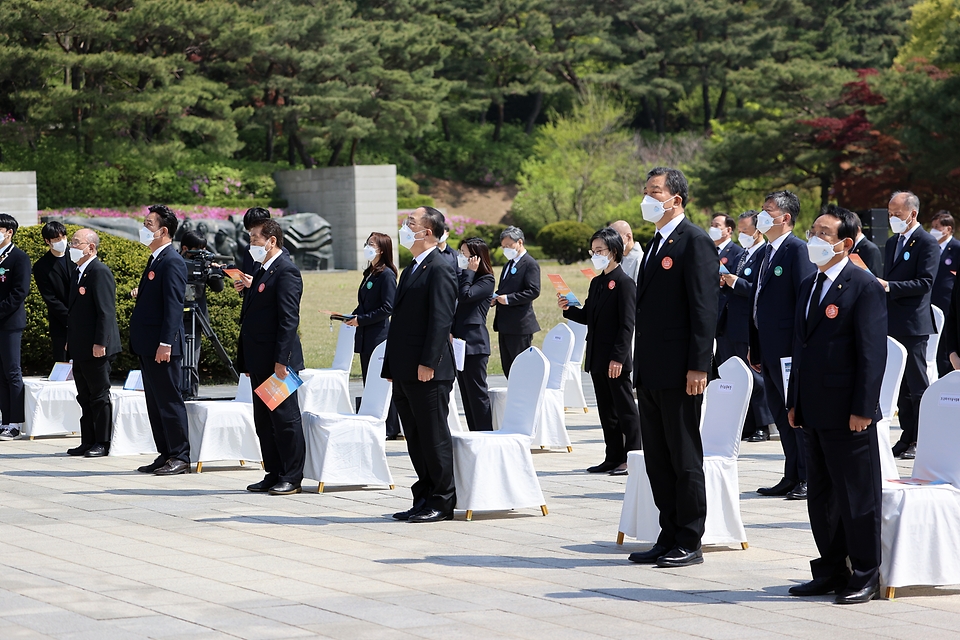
(274,390)
(857,260)
(563,289)
(590,273)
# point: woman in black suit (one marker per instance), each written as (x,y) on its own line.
(470,324)
(610,314)
(372,315)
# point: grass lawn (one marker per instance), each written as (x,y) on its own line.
(338,292)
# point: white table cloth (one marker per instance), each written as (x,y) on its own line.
(131,424)
(50,408)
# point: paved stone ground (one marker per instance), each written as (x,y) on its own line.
(96,550)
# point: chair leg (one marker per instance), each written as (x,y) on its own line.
(199,467)
(469,515)
(543,509)
(542,447)
(569,449)
(262,468)
(584,409)
(31,437)
(320,488)
(889,592)
(242,463)
(619,537)
(392,487)
(744,545)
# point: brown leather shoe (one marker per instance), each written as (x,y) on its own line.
(173,467)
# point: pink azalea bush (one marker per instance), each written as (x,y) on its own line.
(196,212)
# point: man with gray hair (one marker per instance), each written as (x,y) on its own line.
(515,321)
(910,266)
(632,253)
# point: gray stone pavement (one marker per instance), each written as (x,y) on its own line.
(95,550)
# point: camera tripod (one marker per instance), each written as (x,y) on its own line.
(191,359)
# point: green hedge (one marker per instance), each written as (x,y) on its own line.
(567,241)
(127,259)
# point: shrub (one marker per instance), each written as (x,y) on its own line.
(409,196)
(567,241)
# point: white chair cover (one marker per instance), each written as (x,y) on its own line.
(725,409)
(573,397)
(131,425)
(50,408)
(348,449)
(933,372)
(223,430)
(889,392)
(328,390)
(453,416)
(920,526)
(494,470)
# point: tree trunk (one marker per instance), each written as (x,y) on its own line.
(705,90)
(721,109)
(335,155)
(445,122)
(647,114)
(483,116)
(269,142)
(535,112)
(499,127)
(661,117)
(826,182)
(291,152)
(353,151)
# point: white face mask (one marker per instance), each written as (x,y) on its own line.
(59,246)
(820,251)
(897,225)
(715,233)
(937,234)
(407,237)
(463,261)
(146,236)
(76,254)
(369,253)
(746,241)
(652,209)
(764,222)
(510,253)
(600,262)
(444,237)
(258,253)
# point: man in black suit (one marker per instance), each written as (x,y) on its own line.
(785,265)
(941,228)
(269,345)
(55,275)
(94,342)
(253,217)
(156,337)
(721,231)
(515,321)
(910,267)
(839,354)
(675,327)
(868,251)
(446,251)
(14,287)
(950,337)
(419,362)
(733,331)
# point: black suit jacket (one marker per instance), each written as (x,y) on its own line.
(911,277)
(676,309)
(54,277)
(375,304)
(14,287)
(838,362)
(946,275)
(736,316)
(158,315)
(521,288)
(951,325)
(93,313)
(729,258)
(610,313)
(473,304)
(870,254)
(422,319)
(269,319)
(450,256)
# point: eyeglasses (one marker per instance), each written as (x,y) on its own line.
(77,245)
(823,235)
(602,252)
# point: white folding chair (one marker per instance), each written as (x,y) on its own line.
(920,523)
(933,372)
(223,430)
(348,449)
(493,470)
(453,415)
(573,397)
(724,411)
(328,390)
(889,392)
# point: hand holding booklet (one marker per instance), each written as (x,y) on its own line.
(337,316)
(274,390)
(563,289)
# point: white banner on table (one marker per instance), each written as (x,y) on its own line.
(134,381)
(62,372)
(459,352)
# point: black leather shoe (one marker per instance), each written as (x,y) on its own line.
(680,557)
(899,448)
(619,471)
(430,515)
(650,556)
(284,489)
(759,436)
(96,451)
(404,515)
(153,466)
(910,453)
(79,451)
(782,488)
(263,486)
(820,586)
(868,593)
(799,492)
(173,467)
(603,467)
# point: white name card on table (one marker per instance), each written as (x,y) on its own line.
(134,381)
(62,371)
(949,400)
(459,352)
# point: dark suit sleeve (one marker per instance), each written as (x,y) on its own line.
(799,325)
(173,289)
(871,257)
(443,304)
(928,261)
(870,323)
(289,293)
(951,325)
(388,290)
(531,285)
(742,287)
(44,280)
(700,278)
(21,287)
(473,290)
(105,300)
(623,346)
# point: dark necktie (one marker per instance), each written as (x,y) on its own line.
(759,281)
(901,241)
(653,249)
(506,270)
(743,261)
(149,262)
(815,296)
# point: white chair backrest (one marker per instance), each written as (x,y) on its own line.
(557,347)
(888,465)
(579,341)
(938,437)
(343,358)
(244,389)
(892,377)
(525,389)
(377,391)
(933,372)
(725,409)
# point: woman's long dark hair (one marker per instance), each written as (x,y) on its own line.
(479,248)
(384,243)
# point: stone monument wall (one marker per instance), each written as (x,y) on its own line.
(18,196)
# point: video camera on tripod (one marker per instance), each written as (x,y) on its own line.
(200,266)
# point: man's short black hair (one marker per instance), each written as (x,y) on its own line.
(272,229)
(433,220)
(728,221)
(254,216)
(848,220)
(167,218)
(787,202)
(7,221)
(676,182)
(944,219)
(192,240)
(611,238)
(53,230)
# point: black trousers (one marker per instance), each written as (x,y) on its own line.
(393,418)
(11,380)
(915,382)
(512,345)
(92,377)
(619,417)
(758,415)
(673,454)
(943,359)
(58,342)
(474,393)
(165,408)
(843,500)
(423,408)
(280,433)
(794,458)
